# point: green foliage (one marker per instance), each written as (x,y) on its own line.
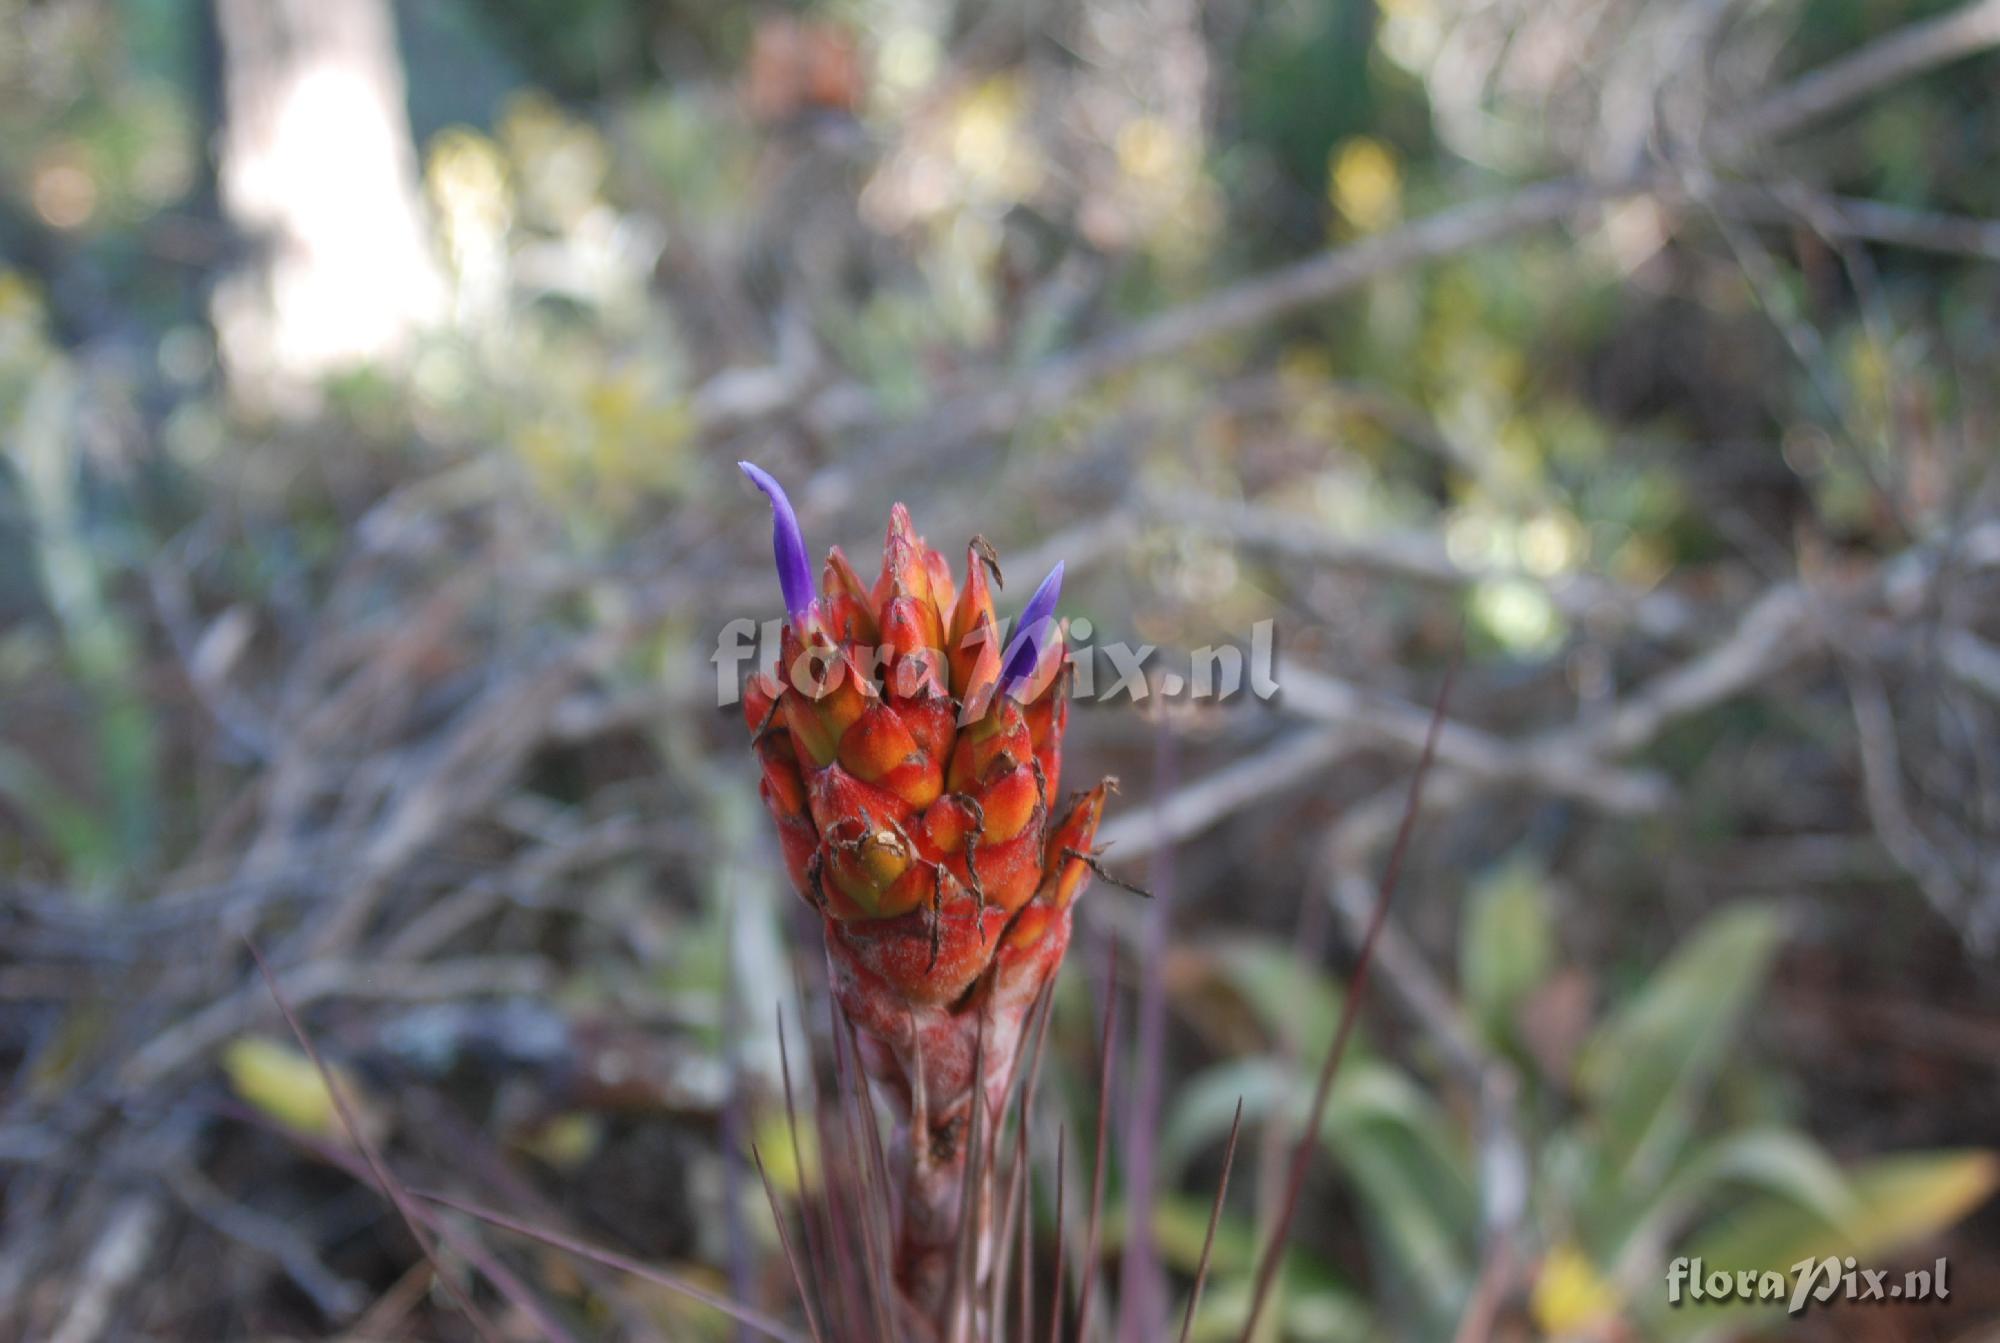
(1409,1166)
(102,828)
(1887,1204)
(1884,1204)
(1647,1068)
(1636,1165)
(1307,74)
(1506,945)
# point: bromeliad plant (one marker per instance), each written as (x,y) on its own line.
(911,762)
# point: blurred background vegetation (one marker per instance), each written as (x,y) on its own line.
(371,378)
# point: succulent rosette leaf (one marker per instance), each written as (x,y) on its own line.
(911,760)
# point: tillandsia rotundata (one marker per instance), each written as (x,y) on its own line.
(911,761)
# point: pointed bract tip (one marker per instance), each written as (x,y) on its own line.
(788,543)
(1032,632)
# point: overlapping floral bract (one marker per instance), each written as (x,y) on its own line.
(911,762)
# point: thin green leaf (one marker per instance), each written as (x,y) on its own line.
(1507,944)
(1897,1200)
(1648,1067)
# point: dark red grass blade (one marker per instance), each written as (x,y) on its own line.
(734,1104)
(1214,1219)
(815,1248)
(390,1187)
(1088,1286)
(857,1113)
(503,1278)
(1002,1266)
(844,1294)
(871,1126)
(755,1319)
(877,1214)
(785,1244)
(1142,1305)
(1350,1009)
(1022,1179)
(846,1208)
(972,1184)
(1036,1030)
(874,1150)
(1056,1288)
(1003,1245)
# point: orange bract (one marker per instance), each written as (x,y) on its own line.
(911,793)
(911,760)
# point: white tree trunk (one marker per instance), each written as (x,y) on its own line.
(318,172)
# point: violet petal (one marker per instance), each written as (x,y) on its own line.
(788,544)
(1032,632)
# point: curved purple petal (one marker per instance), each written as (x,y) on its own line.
(788,544)
(1032,632)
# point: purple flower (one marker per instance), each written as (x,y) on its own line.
(1032,632)
(788,544)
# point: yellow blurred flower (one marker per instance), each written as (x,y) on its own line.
(1365,183)
(467,177)
(782,1159)
(560,161)
(990,147)
(1570,1296)
(283,1083)
(566,1141)
(608,443)
(1148,150)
